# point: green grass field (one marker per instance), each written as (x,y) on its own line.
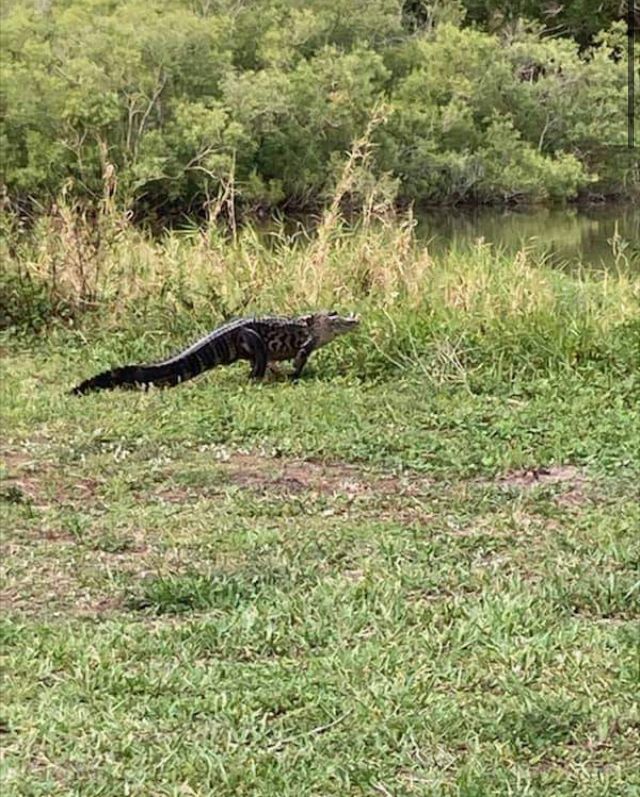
(413,573)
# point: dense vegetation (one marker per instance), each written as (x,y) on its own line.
(178,105)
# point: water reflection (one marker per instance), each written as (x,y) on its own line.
(606,236)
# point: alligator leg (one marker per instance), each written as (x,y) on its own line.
(301,359)
(254,347)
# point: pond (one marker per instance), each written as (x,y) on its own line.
(603,236)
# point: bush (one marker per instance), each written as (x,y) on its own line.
(177,105)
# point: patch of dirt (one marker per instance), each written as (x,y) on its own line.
(32,482)
(288,477)
(355,576)
(75,602)
(172,495)
(534,476)
(564,475)
(16,460)
(21,484)
(278,477)
(57,535)
(573,498)
(74,584)
(104,606)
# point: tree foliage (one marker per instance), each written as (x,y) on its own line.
(178,101)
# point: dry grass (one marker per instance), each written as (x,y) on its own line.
(100,260)
(85,261)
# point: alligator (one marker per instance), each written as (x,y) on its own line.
(261,341)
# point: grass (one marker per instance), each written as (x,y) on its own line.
(413,573)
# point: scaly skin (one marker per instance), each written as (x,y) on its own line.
(261,341)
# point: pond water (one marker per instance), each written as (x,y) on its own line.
(597,237)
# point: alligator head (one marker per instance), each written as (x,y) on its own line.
(327,325)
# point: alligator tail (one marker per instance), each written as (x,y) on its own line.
(167,373)
(132,377)
(222,347)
